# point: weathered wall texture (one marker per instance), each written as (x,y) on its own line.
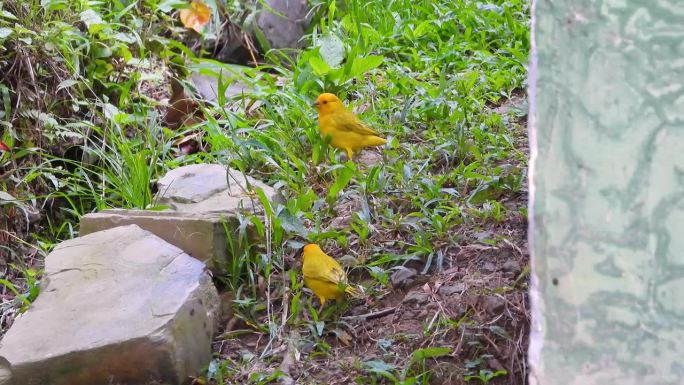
(607,183)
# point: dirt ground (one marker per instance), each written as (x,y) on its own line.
(477,307)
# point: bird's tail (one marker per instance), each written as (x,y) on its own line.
(354,292)
(373,140)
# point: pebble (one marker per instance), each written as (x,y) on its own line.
(403,276)
(511,266)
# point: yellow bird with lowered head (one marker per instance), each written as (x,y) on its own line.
(324,275)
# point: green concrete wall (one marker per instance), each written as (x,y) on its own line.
(607,192)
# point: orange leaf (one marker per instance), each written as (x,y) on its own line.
(3,146)
(196,16)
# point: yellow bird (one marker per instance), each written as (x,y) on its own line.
(347,132)
(324,276)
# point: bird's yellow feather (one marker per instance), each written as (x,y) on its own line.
(324,275)
(345,129)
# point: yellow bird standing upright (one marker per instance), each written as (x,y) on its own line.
(347,132)
(324,276)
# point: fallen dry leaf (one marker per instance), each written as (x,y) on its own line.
(196,16)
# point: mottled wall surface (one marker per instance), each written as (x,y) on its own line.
(607,184)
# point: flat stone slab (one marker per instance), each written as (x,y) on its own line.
(203,203)
(116,306)
(201,236)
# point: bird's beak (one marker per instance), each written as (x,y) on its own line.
(316,104)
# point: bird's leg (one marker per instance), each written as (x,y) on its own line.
(350,154)
(322,301)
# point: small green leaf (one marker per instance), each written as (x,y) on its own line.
(53,5)
(382,368)
(101,51)
(7,14)
(265,202)
(111,112)
(125,37)
(320,326)
(292,224)
(169,5)
(364,64)
(93,21)
(423,28)
(432,352)
(341,181)
(319,66)
(66,84)
(5,32)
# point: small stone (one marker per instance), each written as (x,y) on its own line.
(494,304)
(511,266)
(484,235)
(369,158)
(506,254)
(341,222)
(494,364)
(489,267)
(402,276)
(456,288)
(446,373)
(209,188)
(416,297)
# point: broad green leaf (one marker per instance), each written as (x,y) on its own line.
(93,21)
(363,64)
(319,66)
(331,49)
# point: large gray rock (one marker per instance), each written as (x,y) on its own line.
(203,203)
(284,27)
(209,189)
(117,306)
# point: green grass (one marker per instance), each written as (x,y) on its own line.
(426,74)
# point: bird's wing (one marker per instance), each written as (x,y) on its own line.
(347,121)
(331,274)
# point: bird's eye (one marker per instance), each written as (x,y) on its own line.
(325,102)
